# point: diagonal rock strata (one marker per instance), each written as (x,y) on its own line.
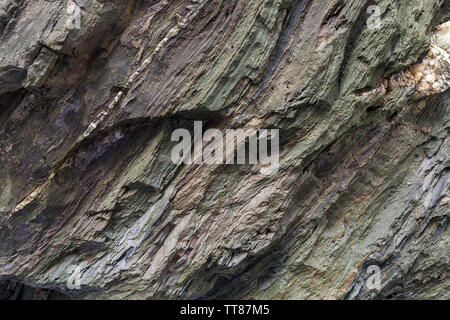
(90,194)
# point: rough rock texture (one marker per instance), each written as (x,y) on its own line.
(87,182)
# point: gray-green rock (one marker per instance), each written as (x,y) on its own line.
(92,207)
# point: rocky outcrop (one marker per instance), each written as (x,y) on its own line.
(92,206)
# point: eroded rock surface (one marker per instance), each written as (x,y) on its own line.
(89,193)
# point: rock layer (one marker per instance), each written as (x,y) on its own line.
(89,191)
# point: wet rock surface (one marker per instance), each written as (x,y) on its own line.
(92,207)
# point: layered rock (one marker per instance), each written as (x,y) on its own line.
(89,191)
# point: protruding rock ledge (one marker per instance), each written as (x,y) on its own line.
(431,75)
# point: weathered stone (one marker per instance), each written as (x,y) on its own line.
(90,195)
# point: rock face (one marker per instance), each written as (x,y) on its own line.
(92,207)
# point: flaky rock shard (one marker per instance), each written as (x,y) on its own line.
(92,206)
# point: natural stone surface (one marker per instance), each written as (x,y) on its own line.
(88,189)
